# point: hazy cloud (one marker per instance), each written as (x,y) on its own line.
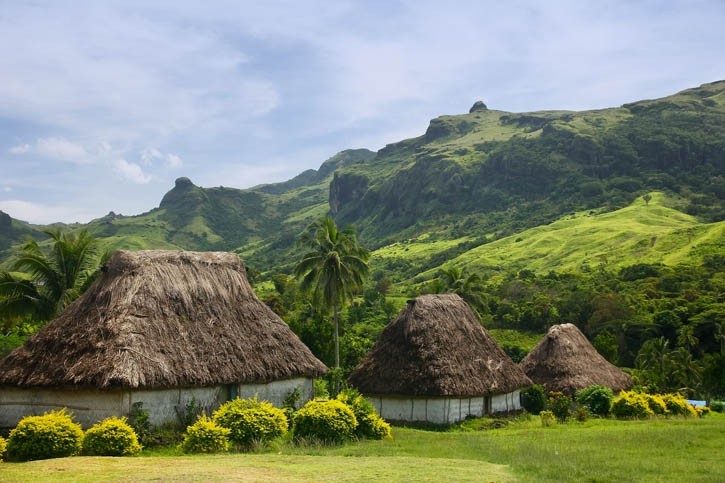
(62,149)
(131,172)
(173,161)
(46,213)
(20,149)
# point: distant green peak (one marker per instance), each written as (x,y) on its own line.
(183,182)
(478,106)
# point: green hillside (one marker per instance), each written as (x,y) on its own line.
(640,233)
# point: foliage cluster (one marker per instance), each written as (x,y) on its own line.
(597,399)
(677,405)
(370,425)
(205,436)
(330,422)
(138,419)
(111,437)
(547,418)
(533,399)
(52,435)
(561,405)
(251,421)
(3,448)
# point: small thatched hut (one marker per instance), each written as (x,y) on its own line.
(436,363)
(161,328)
(565,361)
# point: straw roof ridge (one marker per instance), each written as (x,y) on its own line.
(564,360)
(158,319)
(437,347)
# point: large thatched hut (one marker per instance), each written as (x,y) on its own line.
(436,363)
(565,361)
(161,328)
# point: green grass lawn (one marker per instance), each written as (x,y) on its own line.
(598,450)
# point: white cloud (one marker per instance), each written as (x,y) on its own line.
(20,149)
(45,213)
(150,154)
(173,161)
(131,172)
(7,189)
(61,149)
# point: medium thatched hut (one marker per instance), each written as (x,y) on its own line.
(161,328)
(565,361)
(436,363)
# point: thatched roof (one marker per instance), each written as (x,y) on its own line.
(437,347)
(565,361)
(158,319)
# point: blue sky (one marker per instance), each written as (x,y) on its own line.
(104,104)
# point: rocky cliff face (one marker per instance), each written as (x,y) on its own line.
(345,189)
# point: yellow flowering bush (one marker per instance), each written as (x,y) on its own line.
(3,447)
(677,405)
(251,421)
(205,436)
(327,421)
(52,435)
(111,437)
(657,404)
(370,424)
(631,405)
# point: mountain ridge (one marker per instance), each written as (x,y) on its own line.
(480,177)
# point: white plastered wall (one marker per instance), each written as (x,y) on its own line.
(441,410)
(89,406)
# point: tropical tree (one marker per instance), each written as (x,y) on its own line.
(42,284)
(654,358)
(468,285)
(333,270)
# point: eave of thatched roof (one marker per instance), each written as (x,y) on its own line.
(158,319)
(565,361)
(437,347)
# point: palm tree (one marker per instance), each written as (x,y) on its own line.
(468,286)
(654,357)
(47,283)
(333,270)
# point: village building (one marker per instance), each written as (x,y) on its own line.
(161,328)
(565,361)
(436,363)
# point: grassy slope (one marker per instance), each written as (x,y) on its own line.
(598,450)
(639,233)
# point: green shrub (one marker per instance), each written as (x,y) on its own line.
(52,435)
(251,421)
(597,399)
(370,425)
(205,436)
(326,421)
(656,404)
(582,414)
(547,418)
(320,388)
(533,399)
(138,419)
(192,410)
(717,406)
(560,404)
(111,437)
(3,447)
(677,405)
(631,405)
